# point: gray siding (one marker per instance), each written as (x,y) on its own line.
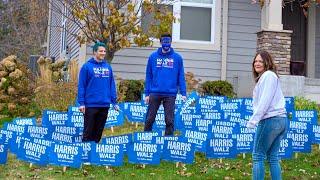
(317,55)
(130,63)
(243,24)
(72,42)
(55,35)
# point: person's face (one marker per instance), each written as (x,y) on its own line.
(258,64)
(100,53)
(166,43)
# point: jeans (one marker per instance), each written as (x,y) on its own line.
(168,105)
(267,139)
(94,120)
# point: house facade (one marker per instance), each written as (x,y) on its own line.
(218,40)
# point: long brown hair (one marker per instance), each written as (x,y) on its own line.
(268,63)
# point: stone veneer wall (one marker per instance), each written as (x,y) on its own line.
(278,44)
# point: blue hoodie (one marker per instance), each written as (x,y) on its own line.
(164,74)
(96,86)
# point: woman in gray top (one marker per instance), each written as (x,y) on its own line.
(269,116)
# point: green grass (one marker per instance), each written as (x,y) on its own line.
(305,166)
(4,120)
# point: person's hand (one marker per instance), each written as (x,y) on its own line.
(116,107)
(146,99)
(82,109)
(184,98)
(250,125)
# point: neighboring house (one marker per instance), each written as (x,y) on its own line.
(218,40)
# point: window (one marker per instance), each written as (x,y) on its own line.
(198,24)
(63,46)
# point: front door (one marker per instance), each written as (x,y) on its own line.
(294,19)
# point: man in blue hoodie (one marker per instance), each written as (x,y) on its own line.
(96,91)
(164,76)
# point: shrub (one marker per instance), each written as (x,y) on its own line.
(192,82)
(217,88)
(129,90)
(51,71)
(16,88)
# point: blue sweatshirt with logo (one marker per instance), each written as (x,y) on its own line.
(165,74)
(96,87)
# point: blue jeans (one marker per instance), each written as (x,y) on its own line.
(168,105)
(267,139)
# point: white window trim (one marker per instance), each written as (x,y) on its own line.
(63,44)
(214,44)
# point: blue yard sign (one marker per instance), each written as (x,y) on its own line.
(144,153)
(146,137)
(106,154)
(86,147)
(31,151)
(245,139)
(14,128)
(15,143)
(7,135)
(178,151)
(221,148)
(65,138)
(197,138)
(65,155)
(309,116)
(289,104)
(54,118)
(201,124)
(3,153)
(316,132)
(135,111)
(37,132)
(75,117)
(25,121)
(115,118)
(285,151)
(123,140)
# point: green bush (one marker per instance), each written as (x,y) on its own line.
(217,88)
(129,90)
(301,103)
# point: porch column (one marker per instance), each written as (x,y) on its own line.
(311,42)
(273,38)
(271,15)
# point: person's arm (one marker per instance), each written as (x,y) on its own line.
(149,77)
(181,79)
(268,87)
(82,84)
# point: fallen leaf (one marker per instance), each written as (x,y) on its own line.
(302,170)
(85,172)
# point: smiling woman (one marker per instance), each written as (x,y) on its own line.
(269,116)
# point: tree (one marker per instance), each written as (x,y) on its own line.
(305,4)
(115,22)
(23,25)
